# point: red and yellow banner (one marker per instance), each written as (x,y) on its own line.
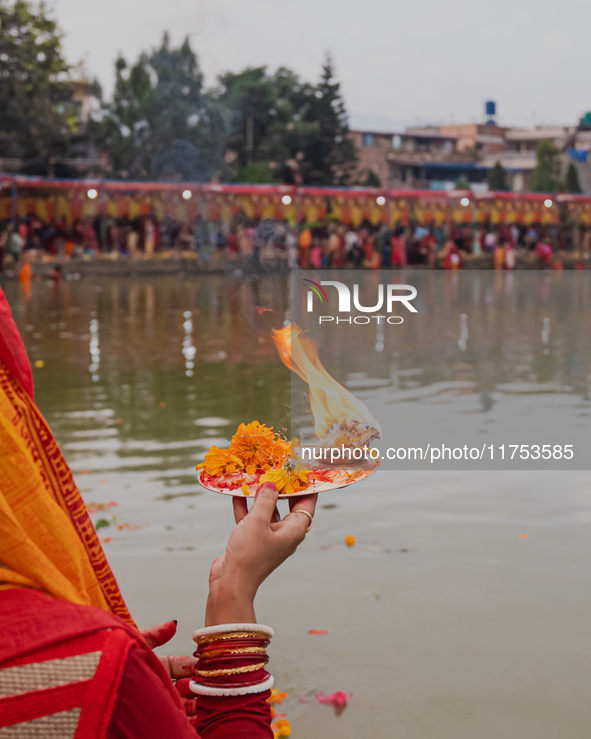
(70,200)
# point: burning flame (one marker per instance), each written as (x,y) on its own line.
(329,401)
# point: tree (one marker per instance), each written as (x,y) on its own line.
(330,155)
(572,183)
(37,117)
(268,134)
(497,177)
(546,174)
(159,122)
(462,183)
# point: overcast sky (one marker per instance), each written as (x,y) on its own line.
(399,63)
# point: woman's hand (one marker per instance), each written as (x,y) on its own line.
(179,668)
(257,546)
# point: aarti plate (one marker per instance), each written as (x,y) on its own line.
(342,477)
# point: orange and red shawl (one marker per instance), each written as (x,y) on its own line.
(47,540)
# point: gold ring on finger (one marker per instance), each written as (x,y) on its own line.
(301,510)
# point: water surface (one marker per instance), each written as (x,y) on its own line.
(445,621)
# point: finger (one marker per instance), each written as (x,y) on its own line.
(158,635)
(295,525)
(265,501)
(189,706)
(240,508)
(276,516)
(181,666)
(307,502)
(183,689)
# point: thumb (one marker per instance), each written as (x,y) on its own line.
(158,635)
(265,501)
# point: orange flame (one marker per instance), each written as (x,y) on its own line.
(329,401)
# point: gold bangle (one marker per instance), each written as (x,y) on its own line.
(230,670)
(232,635)
(246,650)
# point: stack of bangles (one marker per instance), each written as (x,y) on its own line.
(232,659)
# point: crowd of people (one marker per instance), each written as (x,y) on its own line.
(332,244)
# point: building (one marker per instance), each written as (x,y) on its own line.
(417,158)
(436,157)
(480,138)
(518,157)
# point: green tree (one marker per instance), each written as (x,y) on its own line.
(268,134)
(159,122)
(330,156)
(462,183)
(546,174)
(497,177)
(572,183)
(36,116)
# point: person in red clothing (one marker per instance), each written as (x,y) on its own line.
(73,665)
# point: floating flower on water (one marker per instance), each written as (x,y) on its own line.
(524,536)
(96,507)
(318,632)
(39,363)
(338,698)
(281,728)
(276,696)
(350,540)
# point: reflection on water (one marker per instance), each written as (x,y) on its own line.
(147,372)
(444,622)
(480,357)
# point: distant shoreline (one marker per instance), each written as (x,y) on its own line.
(190,263)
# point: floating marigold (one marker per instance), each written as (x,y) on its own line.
(281,728)
(276,696)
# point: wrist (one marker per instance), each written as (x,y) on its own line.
(227,604)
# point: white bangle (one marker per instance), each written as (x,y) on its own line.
(246,690)
(226,628)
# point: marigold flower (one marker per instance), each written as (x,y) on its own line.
(281,728)
(276,696)
(250,439)
(219,462)
(286,482)
(349,540)
(253,447)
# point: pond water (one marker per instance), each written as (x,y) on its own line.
(463,608)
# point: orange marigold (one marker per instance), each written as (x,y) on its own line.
(257,445)
(220,461)
(251,438)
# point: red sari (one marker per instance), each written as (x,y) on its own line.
(72,662)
